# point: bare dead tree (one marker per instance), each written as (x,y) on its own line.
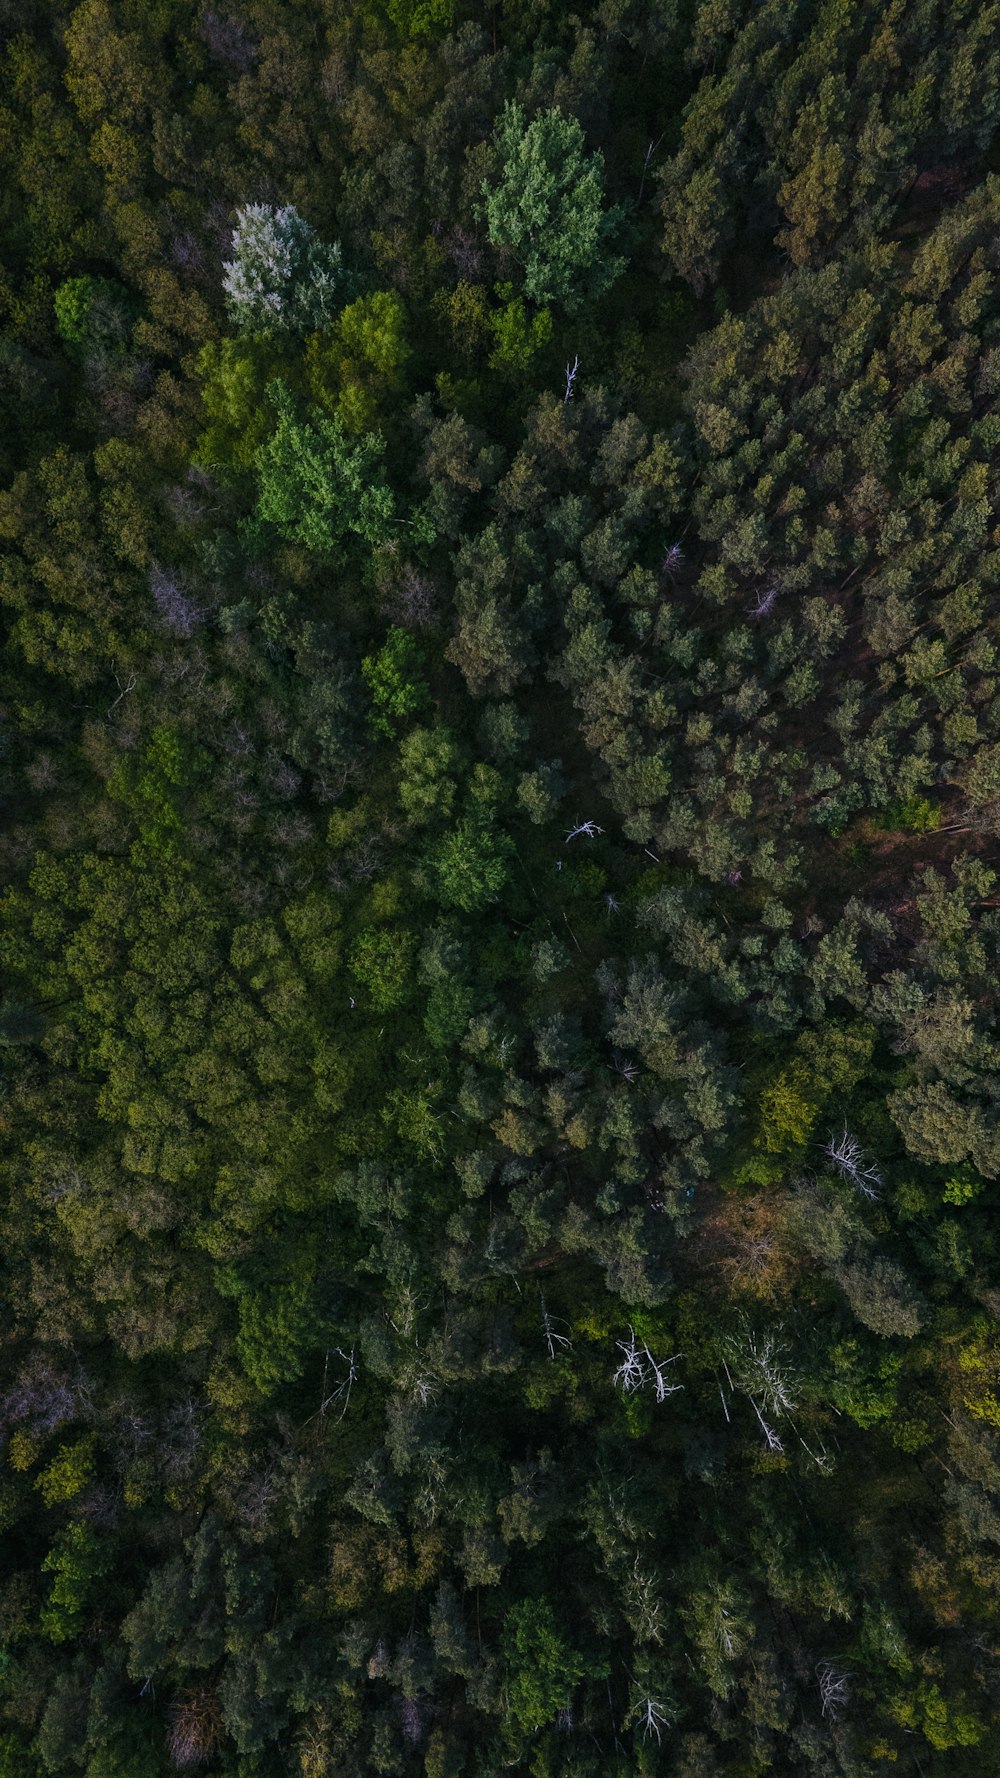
(365,859)
(407,596)
(662,1387)
(974,819)
(123,690)
(673,560)
(631,1372)
(405,1311)
(344,1387)
(465,252)
(282,778)
(179,612)
(765,598)
(429,1495)
(42,1398)
(423,1388)
(845,1155)
(571,370)
(761,1361)
(131,1430)
(643,1598)
(653,1718)
(195,1727)
(586,829)
(822,1459)
(290,829)
(257,1495)
(554,1342)
(227,41)
(771,1438)
(754,1251)
(185,251)
(638,1367)
(411,1718)
(722,1398)
(178,1446)
(650,151)
(834,1690)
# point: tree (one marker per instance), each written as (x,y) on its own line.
(518,339)
(392,677)
(542,1668)
(78,1560)
(380,959)
(881,1294)
(69,1471)
(239,416)
(355,366)
(282,279)
(468,867)
(938,1126)
(279,1325)
(317,486)
(429,759)
(548,209)
(93,315)
(421,18)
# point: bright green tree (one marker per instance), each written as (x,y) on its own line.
(317,486)
(78,1558)
(543,1670)
(393,678)
(548,208)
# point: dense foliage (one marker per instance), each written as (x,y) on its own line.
(499,1052)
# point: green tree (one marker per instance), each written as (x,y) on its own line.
(380,959)
(69,1471)
(93,315)
(543,1669)
(355,368)
(429,759)
(279,1325)
(317,486)
(78,1559)
(518,338)
(239,416)
(393,678)
(468,866)
(548,209)
(421,18)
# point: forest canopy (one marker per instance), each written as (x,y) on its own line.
(499,963)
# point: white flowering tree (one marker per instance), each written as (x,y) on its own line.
(282,278)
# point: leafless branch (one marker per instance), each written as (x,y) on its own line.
(631,1373)
(554,1341)
(123,690)
(834,1689)
(845,1155)
(765,598)
(653,1717)
(343,1389)
(638,1367)
(673,560)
